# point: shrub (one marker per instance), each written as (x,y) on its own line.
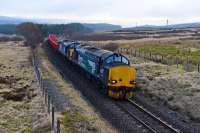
(111,47)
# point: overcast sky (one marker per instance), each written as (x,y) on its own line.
(123,12)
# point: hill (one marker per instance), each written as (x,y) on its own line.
(174,26)
(4,20)
(11,20)
(102,26)
(15,20)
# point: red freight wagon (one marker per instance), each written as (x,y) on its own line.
(53,40)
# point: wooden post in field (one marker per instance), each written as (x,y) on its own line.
(187,64)
(53,111)
(49,103)
(198,68)
(177,62)
(45,97)
(135,53)
(139,52)
(58,126)
(156,58)
(150,55)
(131,52)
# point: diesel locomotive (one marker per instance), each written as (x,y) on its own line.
(111,70)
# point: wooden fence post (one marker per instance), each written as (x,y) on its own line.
(43,91)
(41,85)
(177,63)
(45,97)
(139,52)
(53,109)
(150,55)
(135,53)
(187,64)
(198,68)
(58,126)
(49,103)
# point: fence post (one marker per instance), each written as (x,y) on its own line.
(150,55)
(40,77)
(49,99)
(135,52)
(156,57)
(198,68)
(188,66)
(42,86)
(38,74)
(177,63)
(53,109)
(45,97)
(58,126)
(139,52)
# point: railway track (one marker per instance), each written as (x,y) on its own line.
(118,116)
(105,106)
(151,122)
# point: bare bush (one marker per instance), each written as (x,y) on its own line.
(17,38)
(31,33)
(4,39)
(10,38)
(111,47)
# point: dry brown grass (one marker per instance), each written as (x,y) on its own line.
(18,89)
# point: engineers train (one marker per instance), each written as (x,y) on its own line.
(111,70)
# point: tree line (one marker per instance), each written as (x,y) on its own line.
(34,33)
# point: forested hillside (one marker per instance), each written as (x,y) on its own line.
(60,29)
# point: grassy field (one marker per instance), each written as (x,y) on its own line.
(175,48)
(173,51)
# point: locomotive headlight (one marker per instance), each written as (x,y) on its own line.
(132,82)
(113,81)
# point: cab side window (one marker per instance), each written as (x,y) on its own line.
(125,61)
(109,60)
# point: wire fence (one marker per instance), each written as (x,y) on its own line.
(48,100)
(187,64)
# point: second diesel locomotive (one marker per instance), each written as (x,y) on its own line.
(112,70)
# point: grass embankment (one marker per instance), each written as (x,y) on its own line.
(74,119)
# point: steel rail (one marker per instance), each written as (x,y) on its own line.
(139,120)
(153,116)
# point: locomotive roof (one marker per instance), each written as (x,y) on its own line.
(95,51)
(67,42)
(99,52)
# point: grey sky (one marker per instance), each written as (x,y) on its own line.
(124,12)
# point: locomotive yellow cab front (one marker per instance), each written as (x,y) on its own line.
(121,82)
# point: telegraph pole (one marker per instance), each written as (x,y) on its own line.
(167,22)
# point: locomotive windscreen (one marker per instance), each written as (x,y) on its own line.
(117,58)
